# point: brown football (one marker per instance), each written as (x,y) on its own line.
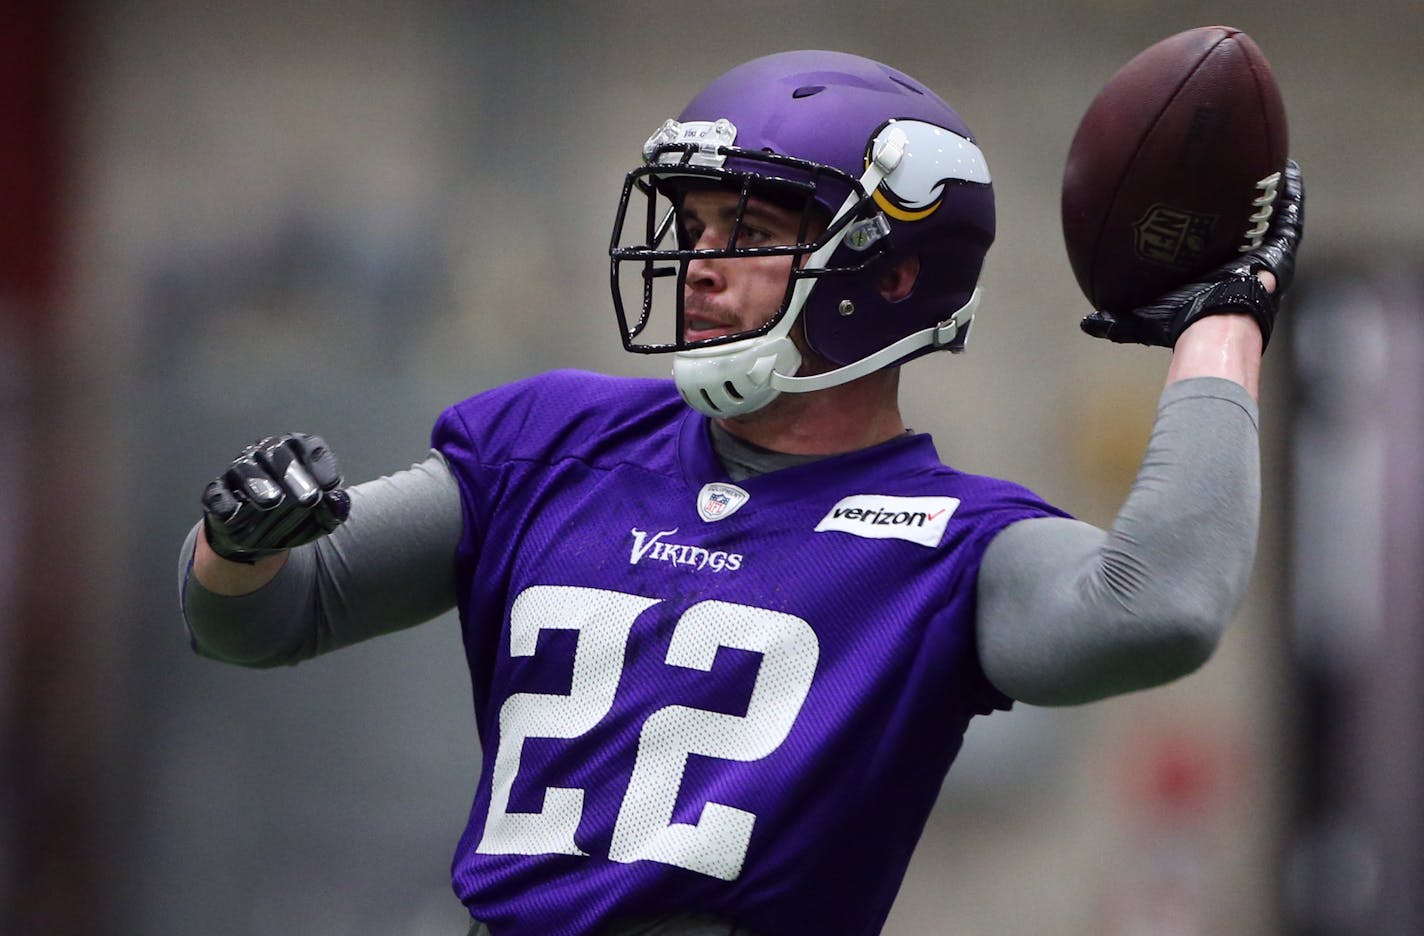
(1173,167)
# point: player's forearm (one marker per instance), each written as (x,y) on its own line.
(274,623)
(1069,613)
(1227,346)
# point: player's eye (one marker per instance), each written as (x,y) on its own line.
(749,235)
(691,233)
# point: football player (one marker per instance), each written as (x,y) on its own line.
(725,632)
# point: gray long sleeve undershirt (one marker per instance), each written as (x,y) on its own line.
(1067,612)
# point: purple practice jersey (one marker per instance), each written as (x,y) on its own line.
(698,696)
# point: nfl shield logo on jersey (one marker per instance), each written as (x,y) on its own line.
(718,501)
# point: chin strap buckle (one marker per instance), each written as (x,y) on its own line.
(953,332)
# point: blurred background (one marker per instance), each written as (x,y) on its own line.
(223,220)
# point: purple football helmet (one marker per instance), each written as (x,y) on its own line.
(887,167)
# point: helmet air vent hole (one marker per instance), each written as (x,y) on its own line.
(731,390)
(906,84)
(708,399)
(807,91)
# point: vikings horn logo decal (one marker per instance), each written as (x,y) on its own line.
(934,158)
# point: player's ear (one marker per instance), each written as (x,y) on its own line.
(898,281)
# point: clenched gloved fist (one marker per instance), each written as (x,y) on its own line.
(1232,287)
(282,491)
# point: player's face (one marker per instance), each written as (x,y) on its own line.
(727,295)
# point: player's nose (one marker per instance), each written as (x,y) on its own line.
(705,275)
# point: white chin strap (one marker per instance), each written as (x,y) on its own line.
(744,376)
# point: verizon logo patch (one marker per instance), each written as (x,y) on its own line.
(878,516)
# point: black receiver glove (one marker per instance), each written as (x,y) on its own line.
(282,491)
(1232,287)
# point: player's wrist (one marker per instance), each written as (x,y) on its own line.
(1231,296)
(1235,329)
(1227,345)
(231,578)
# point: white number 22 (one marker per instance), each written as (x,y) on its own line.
(716,844)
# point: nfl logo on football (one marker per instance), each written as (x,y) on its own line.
(1172,236)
